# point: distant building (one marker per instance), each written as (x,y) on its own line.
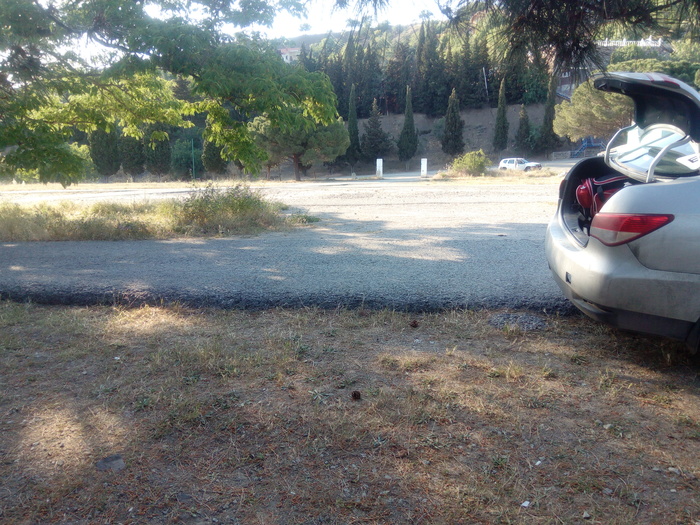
(290,54)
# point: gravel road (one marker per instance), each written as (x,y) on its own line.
(410,245)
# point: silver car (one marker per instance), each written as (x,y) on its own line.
(624,244)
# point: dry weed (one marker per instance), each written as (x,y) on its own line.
(311,416)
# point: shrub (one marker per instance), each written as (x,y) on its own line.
(472,163)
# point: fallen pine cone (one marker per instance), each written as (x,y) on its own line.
(414,324)
(356,396)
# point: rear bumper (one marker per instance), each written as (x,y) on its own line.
(626,319)
(611,286)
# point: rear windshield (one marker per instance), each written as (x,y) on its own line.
(657,151)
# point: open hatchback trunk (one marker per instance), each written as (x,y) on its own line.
(662,144)
(663,141)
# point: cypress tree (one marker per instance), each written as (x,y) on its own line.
(104,151)
(157,149)
(452,140)
(522,137)
(547,140)
(353,153)
(399,74)
(408,139)
(211,158)
(375,141)
(500,136)
(132,155)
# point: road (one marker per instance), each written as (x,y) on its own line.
(400,243)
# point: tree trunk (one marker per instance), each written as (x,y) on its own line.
(297,163)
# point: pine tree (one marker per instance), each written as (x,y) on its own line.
(375,142)
(408,139)
(523,142)
(104,151)
(453,139)
(500,136)
(353,153)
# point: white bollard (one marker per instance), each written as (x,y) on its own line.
(380,168)
(423,168)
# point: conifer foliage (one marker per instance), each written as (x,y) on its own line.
(408,138)
(453,138)
(104,151)
(157,149)
(500,136)
(523,142)
(375,142)
(353,153)
(211,158)
(132,155)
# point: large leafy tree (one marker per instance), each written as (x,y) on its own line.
(237,77)
(305,146)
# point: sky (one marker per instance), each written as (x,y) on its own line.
(322,18)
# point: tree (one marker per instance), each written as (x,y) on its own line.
(211,158)
(408,138)
(353,153)
(592,113)
(157,149)
(305,146)
(40,68)
(547,139)
(375,142)
(500,136)
(186,159)
(568,31)
(398,75)
(132,155)
(452,140)
(104,151)
(523,139)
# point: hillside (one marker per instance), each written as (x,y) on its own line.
(478,134)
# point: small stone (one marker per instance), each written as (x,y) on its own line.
(586,516)
(525,504)
(674,470)
(114,462)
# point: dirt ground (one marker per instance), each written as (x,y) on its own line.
(171,415)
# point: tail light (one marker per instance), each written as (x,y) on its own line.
(614,229)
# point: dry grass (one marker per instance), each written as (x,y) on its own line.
(339,417)
(495,176)
(207,211)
